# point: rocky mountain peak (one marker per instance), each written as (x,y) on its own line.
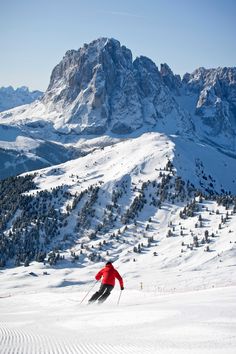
(77,66)
(216,98)
(172,81)
(99,87)
(202,77)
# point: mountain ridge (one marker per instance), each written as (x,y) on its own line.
(99,94)
(100,88)
(11,98)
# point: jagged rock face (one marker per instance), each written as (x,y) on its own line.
(216,90)
(90,85)
(173,82)
(155,96)
(99,87)
(10,98)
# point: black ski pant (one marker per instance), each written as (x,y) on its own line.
(102,294)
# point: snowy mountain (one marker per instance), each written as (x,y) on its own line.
(215,95)
(100,91)
(136,140)
(99,88)
(10,98)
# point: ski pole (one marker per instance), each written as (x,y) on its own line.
(95,281)
(119,298)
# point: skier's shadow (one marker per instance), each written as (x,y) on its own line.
(66,283)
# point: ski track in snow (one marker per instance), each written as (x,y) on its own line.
(200,322)
(17,341)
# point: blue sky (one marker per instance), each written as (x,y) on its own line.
(186,34)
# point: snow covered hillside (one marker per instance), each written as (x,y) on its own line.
(175,252)
(106,205)
(129,202)
(10,98)
(19,152)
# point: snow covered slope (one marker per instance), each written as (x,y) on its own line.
(175,250)
(10,98)
(106,205)
(141,158)
(53,321)
(19,152)
(178,269)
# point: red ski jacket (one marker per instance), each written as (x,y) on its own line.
(109,274)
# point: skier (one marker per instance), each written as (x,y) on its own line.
(108,275)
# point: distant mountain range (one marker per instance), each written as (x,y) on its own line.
(10,98)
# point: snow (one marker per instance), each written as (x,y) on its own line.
(43,313)
(23,143)
(193,162)
(176,302)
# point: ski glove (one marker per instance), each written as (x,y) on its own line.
(122,288)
